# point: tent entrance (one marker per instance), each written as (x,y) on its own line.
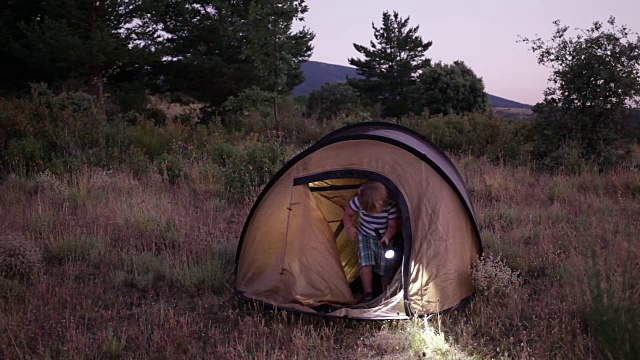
(331,195)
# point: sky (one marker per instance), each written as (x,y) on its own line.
(482,33)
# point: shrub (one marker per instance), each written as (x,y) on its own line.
(206,274)
(248,110)
(171,167)
(568,158)
(49,131)
(142,272)
(158,116)
(25,155)
(149,138)
(222,153)
(137,162)
(611,308)
(170,235)
(253,166)
(491,276)
(477,134)
(75,248)
(333,99)
(19,258)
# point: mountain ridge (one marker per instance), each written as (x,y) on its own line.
(317,73)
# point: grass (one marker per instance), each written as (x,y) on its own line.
(135,267)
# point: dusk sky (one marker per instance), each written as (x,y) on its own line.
(482,33)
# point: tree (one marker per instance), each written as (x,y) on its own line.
(203,51)
(76,44)
(217,51)
(391,65)
(446,89)
(15,73)
(595,78)
(333,99)
(276,51)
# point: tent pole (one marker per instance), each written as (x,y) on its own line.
(286,234)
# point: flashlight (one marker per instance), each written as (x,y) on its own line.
(386,248)
(388,251)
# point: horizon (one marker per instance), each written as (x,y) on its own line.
(508,68)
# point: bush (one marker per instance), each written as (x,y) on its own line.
(248,111)
(150,139)
(137,163)
(611,309)
(491,276)
(333,99)
(568,158)
(142,272)
(171,167)
(75,248)
(56,132)
(477,134)
(19,258)
(253,166)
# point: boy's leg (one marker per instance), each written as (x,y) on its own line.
(386,280)
(366,256)
(366,276)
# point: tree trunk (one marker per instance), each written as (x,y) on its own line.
(99,83)
(97,69)
(275,85)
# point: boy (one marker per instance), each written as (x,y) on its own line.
(376,212)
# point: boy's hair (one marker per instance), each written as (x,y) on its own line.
(373,197)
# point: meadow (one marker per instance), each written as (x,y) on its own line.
(127,264)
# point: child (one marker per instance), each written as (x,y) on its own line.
(376,212)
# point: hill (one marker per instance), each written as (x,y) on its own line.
(496,101)
(317,73)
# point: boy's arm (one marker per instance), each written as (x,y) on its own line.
(392,228)
(347,220)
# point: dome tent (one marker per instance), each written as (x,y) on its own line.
(294,254)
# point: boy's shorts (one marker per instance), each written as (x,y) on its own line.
(370,253)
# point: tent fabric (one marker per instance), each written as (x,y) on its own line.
(292,253)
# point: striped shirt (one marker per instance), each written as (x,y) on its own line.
(368,222)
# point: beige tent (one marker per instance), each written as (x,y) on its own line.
(294,254)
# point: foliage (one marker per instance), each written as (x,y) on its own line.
(51,131)
(171,167)
(391,65)
(612,311)
(252,101)
(449,89)
(481,135)
(154,297)
(217,52)
(253,166)
(492,277)
(74,248)
(142,272)
(595,77)
(74,44)
(19,258)
(275,50)
(333,99)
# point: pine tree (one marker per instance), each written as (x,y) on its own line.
(391,66)
(215,52)
(275,50)
(16,74)
(76,45)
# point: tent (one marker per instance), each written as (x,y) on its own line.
(294,254)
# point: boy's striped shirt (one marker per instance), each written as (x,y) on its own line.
(368,222)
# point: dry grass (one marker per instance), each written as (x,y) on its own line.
(513,113)
(141,269)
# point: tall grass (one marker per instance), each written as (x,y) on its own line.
(136,267)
